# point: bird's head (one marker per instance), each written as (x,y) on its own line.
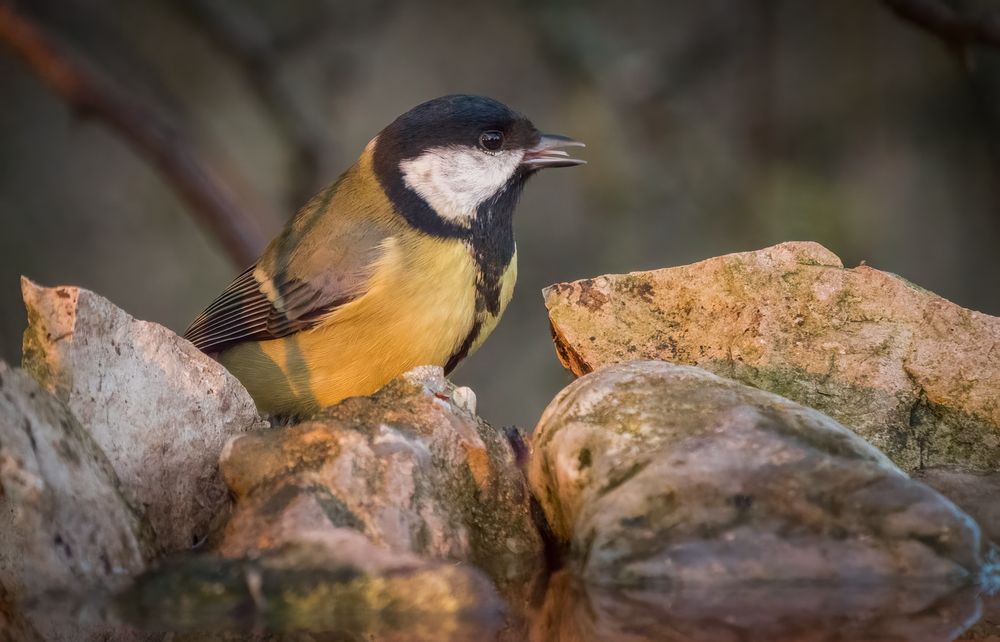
(444,160)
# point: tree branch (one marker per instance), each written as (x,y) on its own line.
(209,201)
(246,39)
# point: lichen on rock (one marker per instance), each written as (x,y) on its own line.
(914,374)
(659,473)
(406,467)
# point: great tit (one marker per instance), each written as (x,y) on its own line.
(407,259)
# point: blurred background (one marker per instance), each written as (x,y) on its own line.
(712,127)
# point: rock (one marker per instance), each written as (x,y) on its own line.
(67,526)
(987,628)
(658,473)
(159,408)
(407,467)
(14,626)
(338,585)
(762,612)
(977,494)
(916,375)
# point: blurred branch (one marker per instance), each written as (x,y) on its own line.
(948,23)
(250,42)
(90,94)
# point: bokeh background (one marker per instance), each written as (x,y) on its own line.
(713,127)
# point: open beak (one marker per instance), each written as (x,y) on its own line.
(547,153)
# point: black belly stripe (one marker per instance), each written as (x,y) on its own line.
(463,350)
(492,242)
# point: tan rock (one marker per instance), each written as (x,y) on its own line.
(657,473)
(407,467)
(916,375)
(159,408)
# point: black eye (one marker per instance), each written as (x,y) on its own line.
(491,141)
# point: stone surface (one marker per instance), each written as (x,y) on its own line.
(159,409)
(14,626)
(977,494)
(916,375)
(653,472)
(66,523)
(66,526)
(406,467)
(336,585)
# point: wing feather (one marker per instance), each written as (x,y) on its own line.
(294,285)
(238,314)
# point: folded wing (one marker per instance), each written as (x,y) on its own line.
(320,262)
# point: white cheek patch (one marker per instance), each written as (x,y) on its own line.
(455,180)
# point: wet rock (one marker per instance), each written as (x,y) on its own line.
(987,627)
(159,408)
(407,467)
(338,585)
(765,612)
(67,526)
(977,494)
(916,375)
(653,473)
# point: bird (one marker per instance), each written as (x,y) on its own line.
(407,259)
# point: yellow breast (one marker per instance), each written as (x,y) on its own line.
(419,308)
